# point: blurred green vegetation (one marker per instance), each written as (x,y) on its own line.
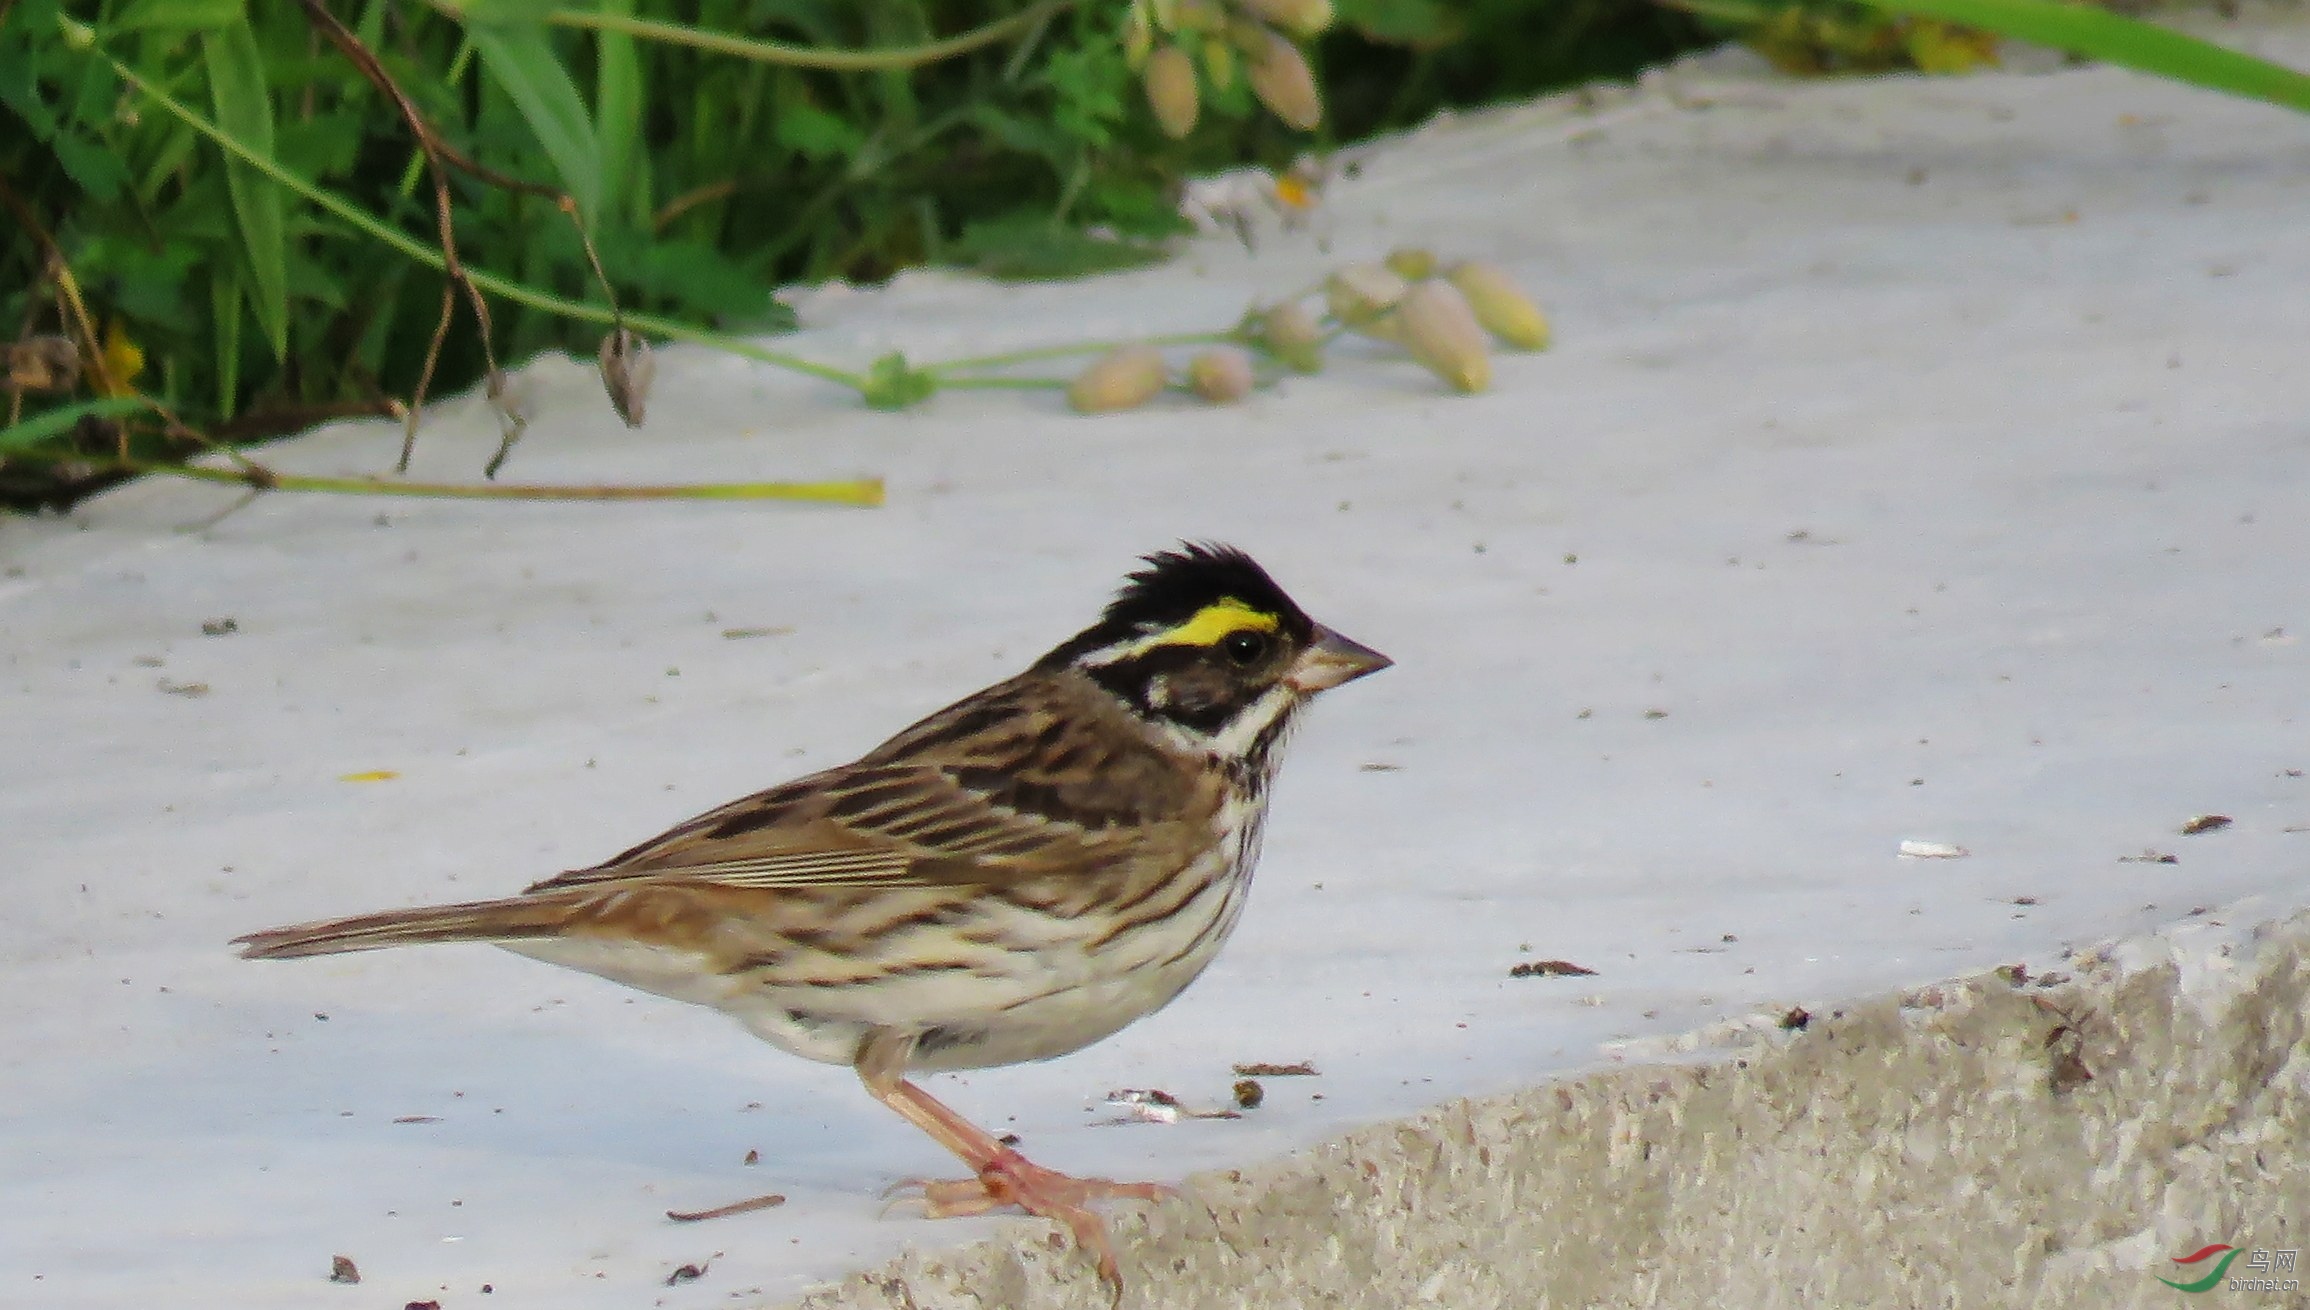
(212,208)
(706,179)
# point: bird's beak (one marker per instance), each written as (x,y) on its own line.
(1330,661)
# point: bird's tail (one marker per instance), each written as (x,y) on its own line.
(507,920)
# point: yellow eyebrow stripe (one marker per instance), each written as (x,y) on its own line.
(1214,622)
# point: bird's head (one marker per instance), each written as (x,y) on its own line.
(1203,641)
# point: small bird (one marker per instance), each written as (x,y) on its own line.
(1013,878)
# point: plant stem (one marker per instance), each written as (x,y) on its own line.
(980,362)
(1002,384)
(865,492)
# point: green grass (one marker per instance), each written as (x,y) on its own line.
(209,200)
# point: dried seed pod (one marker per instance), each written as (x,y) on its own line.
(43,363)
(1291,334)
(1221,375)
(1435,323)
(1412,263)
(1123,378)
(1301,18)
(1170,83)
(1360,294)
(1500,305)
(628,369)
(1283,82)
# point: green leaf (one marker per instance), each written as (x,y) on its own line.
(177,14)
(1421,24)
(60,421)
(697,277)
(813,133)
(1027,247)
(245,112)
(93,168)
(2124,41)
(522,62)
(20,69)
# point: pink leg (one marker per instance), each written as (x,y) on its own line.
(1006,1178)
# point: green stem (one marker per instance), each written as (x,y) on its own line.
(800,56)
(431,258)
(1002,384)
(980,362)
(865,492)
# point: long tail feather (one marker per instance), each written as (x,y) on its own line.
(474,921)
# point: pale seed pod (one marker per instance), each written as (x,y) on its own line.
(1500,305)
(1301,18)
(1412,263)
(1283,82)
(1221,375)
(1170,83)
(1123,378)
(1360,293)
(1292,335)
(1435,323)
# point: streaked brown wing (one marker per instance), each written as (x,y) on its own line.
(1036,775)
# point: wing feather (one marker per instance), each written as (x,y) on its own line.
(1018,781)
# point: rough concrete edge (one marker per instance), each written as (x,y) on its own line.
(1981,1142)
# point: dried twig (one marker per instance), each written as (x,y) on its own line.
(430,144)
(725,1211)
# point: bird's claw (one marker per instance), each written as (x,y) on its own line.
(1010,1179)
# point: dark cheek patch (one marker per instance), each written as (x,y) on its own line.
(1202,698)
(1200,693)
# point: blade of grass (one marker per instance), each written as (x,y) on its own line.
(237,86)
(522,62)
(225,307)
(618,110)
(2115,39)
(50,424)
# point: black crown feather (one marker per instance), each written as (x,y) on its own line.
(1177,583)
(1174,585)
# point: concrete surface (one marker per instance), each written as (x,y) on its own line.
(2035,1144)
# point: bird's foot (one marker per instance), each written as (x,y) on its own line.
(1011,1179)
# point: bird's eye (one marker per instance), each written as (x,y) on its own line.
(1244,647)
